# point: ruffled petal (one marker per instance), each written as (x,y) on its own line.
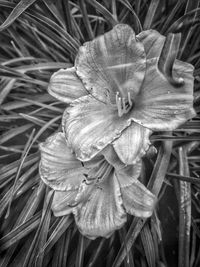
(66,86)
(161,106)
(133,143)
(63,202)
(102,212)
(90,125)
(153,42)
(59,168)
(112,62)
(137,199)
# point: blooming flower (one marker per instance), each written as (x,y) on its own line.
(122,88)
(99,192)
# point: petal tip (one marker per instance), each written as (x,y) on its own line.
(65,85)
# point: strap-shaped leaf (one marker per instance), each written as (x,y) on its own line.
(168,57)
(148,245)
(104,11)
(184,196)
(150,14)
(59,230)
(16,12)
(19,232)
(41,234)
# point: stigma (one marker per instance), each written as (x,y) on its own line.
(124,104)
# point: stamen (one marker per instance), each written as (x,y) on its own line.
(102,170)
(107,172)
(102,173)
(119,105)
(123,105)
(129,99)
(97,173)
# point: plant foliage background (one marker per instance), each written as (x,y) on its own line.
(38,37)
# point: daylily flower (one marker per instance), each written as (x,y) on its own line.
(99,192)
(122,88)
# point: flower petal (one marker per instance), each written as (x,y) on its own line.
(102,213)
(133,143)
(90,125)
(66,86)
(137,199)
(160,105)
(59,168)
(112,62)
(62,201)
(128,173)
(112,158)
(153,42)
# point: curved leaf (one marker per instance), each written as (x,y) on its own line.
(16,12)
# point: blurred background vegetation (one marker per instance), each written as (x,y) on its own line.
(38,37)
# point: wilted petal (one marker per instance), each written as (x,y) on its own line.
(133,143)
(66,86)
(58,167)
(153,42)
(90,125)
(63,202)
(160,105)
(137,199)
(112,62)
(102,212)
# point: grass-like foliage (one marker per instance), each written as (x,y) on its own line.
(39,37)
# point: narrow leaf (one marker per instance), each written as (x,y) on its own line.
(63,224)
(41,234)
(86,19)
(168,57)
(150,14)
(80,252)
(100,8)
(184,211)
(13,132)
(16,12)
(147,242)
(20,232)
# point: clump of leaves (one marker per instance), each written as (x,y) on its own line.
(39,37)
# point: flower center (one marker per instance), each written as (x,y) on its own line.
(124,104)
(99,173)
(93,180)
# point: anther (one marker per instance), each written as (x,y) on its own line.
(89,183)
